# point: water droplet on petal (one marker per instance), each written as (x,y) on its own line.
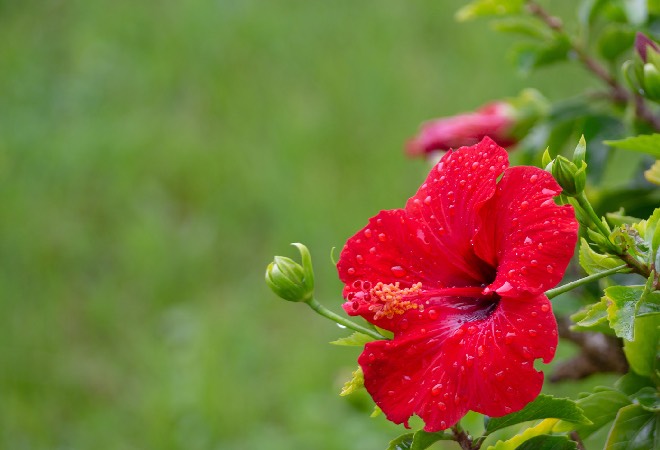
(524,204)
(545,307)
(406,379)
(398,271)
(509,337)
(437,389)
(367,233)
(472,329)
(417,202)
(433,314)
(532,333)
(507,409)
(371,357)
(500,375)
(506,287)
(534,262)
(440,166)
(382,237)
(360,258)
(427,200)
(549,268)
(475,165)
(547,191)
(528,240)
(443,424)
(540,246)
(457,399)
(372,250)
(480,350)
(533,178)
(351,270)
(442,407)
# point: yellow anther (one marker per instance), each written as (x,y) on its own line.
(389,299)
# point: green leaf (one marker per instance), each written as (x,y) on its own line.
(646,143)
(354,384)
(634,429)
(484,8)
(600,407)
(620,218)
(631,383)
(614,40)
(593,262)
(642,353)
(513,443)
(636,11)
(543,407)
(356,339)
(533,55)
(403,442)
(523,25)
(423,439)
(621,308)
(592,316)
(653,174)
(648,398)
(547,442)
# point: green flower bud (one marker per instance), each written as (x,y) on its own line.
(571,178)
(290,280)
(651,81)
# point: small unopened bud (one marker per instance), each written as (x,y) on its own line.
(571,178)
(643,72)
(643,44)
(289,280)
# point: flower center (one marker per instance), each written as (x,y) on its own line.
(389,299)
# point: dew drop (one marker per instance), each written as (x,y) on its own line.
(398,271)
(547,191)
(528,240)
(372,250)
(524,204)
(509,337)
(507,409)
(540,246)
(440,166)
(433,314)
(427,200)
(480,351)
(457,399)
(533,178)
(404,324)
(475,165)
(371,357)
(532,333)
(534,262)
(360,258)
(406,379)
(391,393)
(526,353)
(472,329)
(469,360)
(549,268)
(511,272)
(500,375)
(545,308)
(436,390)
(462,182)
(351,271)
(443,424)
(417,202)
(442,407)
(382,237)
(367,233)
(534,314)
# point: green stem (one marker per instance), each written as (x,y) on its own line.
(577,283)
(586,206)
(325,312)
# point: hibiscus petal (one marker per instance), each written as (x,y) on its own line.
(439,368)
(525,234)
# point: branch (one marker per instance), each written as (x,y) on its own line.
(619,94)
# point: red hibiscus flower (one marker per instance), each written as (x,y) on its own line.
(458,277)
(495,119)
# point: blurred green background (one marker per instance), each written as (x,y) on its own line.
(155,155)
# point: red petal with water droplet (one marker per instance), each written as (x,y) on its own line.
(441,369)
(525,234)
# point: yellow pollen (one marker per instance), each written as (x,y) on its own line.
(388,299)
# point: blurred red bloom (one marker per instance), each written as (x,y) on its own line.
(459,277)
(495,120)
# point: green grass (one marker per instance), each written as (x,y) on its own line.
(154,156)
